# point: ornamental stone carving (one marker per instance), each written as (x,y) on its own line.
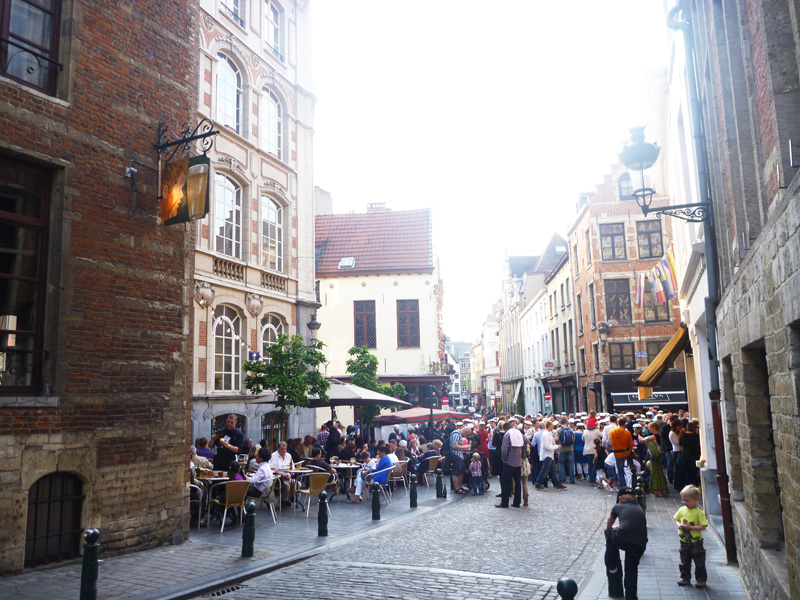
(204,293)
(254,304)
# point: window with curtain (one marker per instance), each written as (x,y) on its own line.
(30,32)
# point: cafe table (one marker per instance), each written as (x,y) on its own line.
(294,474)
(348,469)
(207,480)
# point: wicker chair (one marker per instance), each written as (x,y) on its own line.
(317,482)
(235,496)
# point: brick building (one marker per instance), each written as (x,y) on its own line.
(610,243)
(95,354)
(748,76)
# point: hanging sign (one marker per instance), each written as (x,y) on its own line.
(184,190)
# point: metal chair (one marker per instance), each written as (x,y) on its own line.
(384,486)
(398,475)
(433,464)
(268,496)
(235,496)
(317,482)
(196,501)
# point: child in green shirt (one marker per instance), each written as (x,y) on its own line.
(691,521)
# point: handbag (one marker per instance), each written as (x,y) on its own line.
(526,464)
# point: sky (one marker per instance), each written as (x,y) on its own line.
(494,114)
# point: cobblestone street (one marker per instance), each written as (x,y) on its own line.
(466,549)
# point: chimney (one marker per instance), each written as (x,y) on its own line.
(376,207)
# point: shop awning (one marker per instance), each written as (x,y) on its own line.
(663,361)
(624,401)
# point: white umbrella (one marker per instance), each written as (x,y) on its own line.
(349,394)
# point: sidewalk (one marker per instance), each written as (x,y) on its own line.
(658,569)
(210,560)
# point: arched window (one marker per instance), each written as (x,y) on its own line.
(271,327)
(271,234)
(272,124)
(54,526)
(625,187)
(227,216)
(229,94)
(227,350)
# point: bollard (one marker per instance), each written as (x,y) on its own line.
(641,497)
(567,588)
(322,517)
(89,569)
(444,490)
(249,530)
(413,493)
(439,484)
(376,501)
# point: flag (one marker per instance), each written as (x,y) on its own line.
(651,282)
(666,283)
(672,271)
(639,289)
(660,298)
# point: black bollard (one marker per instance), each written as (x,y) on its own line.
(89,569)
(376,501)
(249,530)
(322,517)
(439,484)
(567,588)
(413,493)
(641,497)
(444,490)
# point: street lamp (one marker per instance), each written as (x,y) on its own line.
(313,327)
(604,328)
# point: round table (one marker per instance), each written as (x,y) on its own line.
(294,473)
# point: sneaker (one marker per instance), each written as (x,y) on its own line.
(684,582)
(561,488)
(700,584)
(539,487)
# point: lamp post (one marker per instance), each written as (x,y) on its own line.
(639,155)
(604,328)
(313,328)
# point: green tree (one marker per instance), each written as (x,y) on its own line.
(289,371)
(364,369)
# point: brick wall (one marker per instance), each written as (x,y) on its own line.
(117,326)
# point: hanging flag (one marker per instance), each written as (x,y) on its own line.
(666,284)
(673,272)
(660,298)
(651,282)
(639,289)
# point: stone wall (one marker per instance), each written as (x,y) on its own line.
(113,405)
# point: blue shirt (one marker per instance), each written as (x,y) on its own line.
(384,463)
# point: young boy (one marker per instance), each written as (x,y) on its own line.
(691,521)
(631,537)
(475,471)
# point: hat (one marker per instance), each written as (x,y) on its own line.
(402,443)
(460,424)
(571,421)
(604,421)
(637,425)
(629,414)
(625,491)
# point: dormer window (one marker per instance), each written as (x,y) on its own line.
(348,262)
(625,187)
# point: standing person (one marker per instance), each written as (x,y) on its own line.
(631,538)
(658,483)
(457,457)
(666,428)
(511,453)
(536,464)
(497,442)
(566,451)
(483,436)
(547,448)
(691,521)
(333,441)
(590,435)
(690,454)
(675,455)
(622,445)
(610,426)
(228,441)
(581,462)
(476,474)
(397,434)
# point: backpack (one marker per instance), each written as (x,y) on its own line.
(566,436)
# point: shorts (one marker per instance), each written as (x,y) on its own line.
(457,464)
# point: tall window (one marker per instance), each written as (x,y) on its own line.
(653,311)
(596,356)
(227,350)
(582,354)
(229,94)
(272,28)
(29,47)
(571,343)
(580,314)
(408,323)
(364,316)
(621,355)
(563,298)
(592,311)
(625,187)
(612,241)
(648,236)
(653,348)
(235,10)
(588,247)
(24,211)
(618,301)
(227,216)
(271,328)
(271,234)
(272,124)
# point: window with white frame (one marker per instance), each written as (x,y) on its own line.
(227,350)
(272,28)
(227,216)
(234,9)
(272,124)
(271,234)
(229,94)
(271,328)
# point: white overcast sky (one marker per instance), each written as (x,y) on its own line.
(495,114)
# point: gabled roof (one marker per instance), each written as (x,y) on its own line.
(380,242)
(519,265)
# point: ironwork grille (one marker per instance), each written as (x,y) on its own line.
(54,519)
(618,300)
(653,311)
(364,313)
(408,323)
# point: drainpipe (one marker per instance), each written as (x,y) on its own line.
(712,299)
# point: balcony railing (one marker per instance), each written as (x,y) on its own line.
(274,51)
(233,15)
(273,282)
(228,269)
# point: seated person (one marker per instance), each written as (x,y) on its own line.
(295,449)
(319,462)
(424,459)
(203,449)
(262,479)
(391,451)
(281,460)
(200,461)
(402,450)
(382,463)
(349,452)
(252,459)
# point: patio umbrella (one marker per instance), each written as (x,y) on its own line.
(417,414)
(347,394)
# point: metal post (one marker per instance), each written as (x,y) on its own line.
(439,484)
(89,570)
(249,530)
(413,493)
(376,501)
(322,516)
(567,588)
(641,498)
